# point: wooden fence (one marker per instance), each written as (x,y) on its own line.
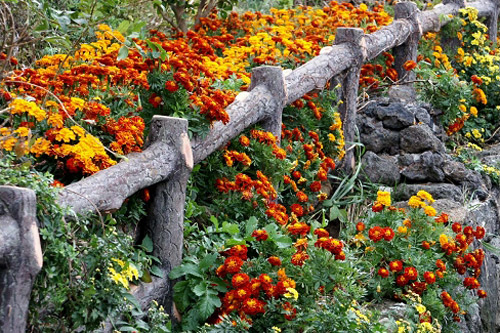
(169,156)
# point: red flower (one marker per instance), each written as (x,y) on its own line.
(239,251)
(383,272)
(441,265)
(296,174)
(429,277)
(426,245)
(443,218)
(388,234)
(260,235)
(290,311)
(376,233)
(456,227)
(297,209)
(265,279)
(243,293)
(476,79)
(396,266)
(252,306)
(240,280)
(171,86)
(233,264)
(299,228)
(471,283)
(411,273)
(377,207)
(360,226)
(402,280)
(481,293)
(315,186)
(480,232)
(275,261)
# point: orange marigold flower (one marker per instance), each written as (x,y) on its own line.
(481,293)
(471,283)
(320,232)
(297,209)
(275,261)
(299,258)
(244,141)
(388,234)
(409,65)
(402,280)
(299,228)
(426,245)
(377,207)
(240,280)
(260,235)
(443,218)
(476,79)
(315,186)
(360,226)
(301,196)
(456,227)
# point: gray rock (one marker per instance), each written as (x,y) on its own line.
(455,210)
(420,138)
(421,114)
(381,141)
(402,93)
(427,168)
(438,191)
(383,170)
(455,171)
(394,116)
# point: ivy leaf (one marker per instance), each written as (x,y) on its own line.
(230,228)
(147,244)
(250,226)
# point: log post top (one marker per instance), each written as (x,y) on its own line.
(409,11)
(272,78)
(355,39)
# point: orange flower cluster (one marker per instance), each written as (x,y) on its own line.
(376,233)
(247,295)
(247,186)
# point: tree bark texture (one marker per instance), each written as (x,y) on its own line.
(349,81)
(165,221)
(20,256)
(408,50)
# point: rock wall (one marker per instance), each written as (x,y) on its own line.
(405,150)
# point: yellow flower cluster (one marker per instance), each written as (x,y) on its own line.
(423,200)
(128,273)
(384,198)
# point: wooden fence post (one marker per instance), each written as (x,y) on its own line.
(271,77)
(492,22)
(20,256)
(165,222)
(407,50)
(348,92)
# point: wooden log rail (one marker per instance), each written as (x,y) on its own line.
(169,156)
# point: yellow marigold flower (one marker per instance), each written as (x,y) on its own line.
(331,137)
(462,108)
(476,133)
(276,329)
(443,240)
(78,130)
(4,131)
(20,106)
(384,198)
(56,120)
(425,196)
(292,293)
(22,131)
(8,143)
(41,146)
(415,202)
(65,134)
(363,7)
(402,229)
(473,111)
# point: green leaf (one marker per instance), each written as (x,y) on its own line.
(283,242)
(123,27)
(200,289)
(146,277)
(207,261)
(214,220)
(157,271)
(230,228)
(147,244)
(132,300)
(207,304)
(334,213)
(123,53)
(250,225)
